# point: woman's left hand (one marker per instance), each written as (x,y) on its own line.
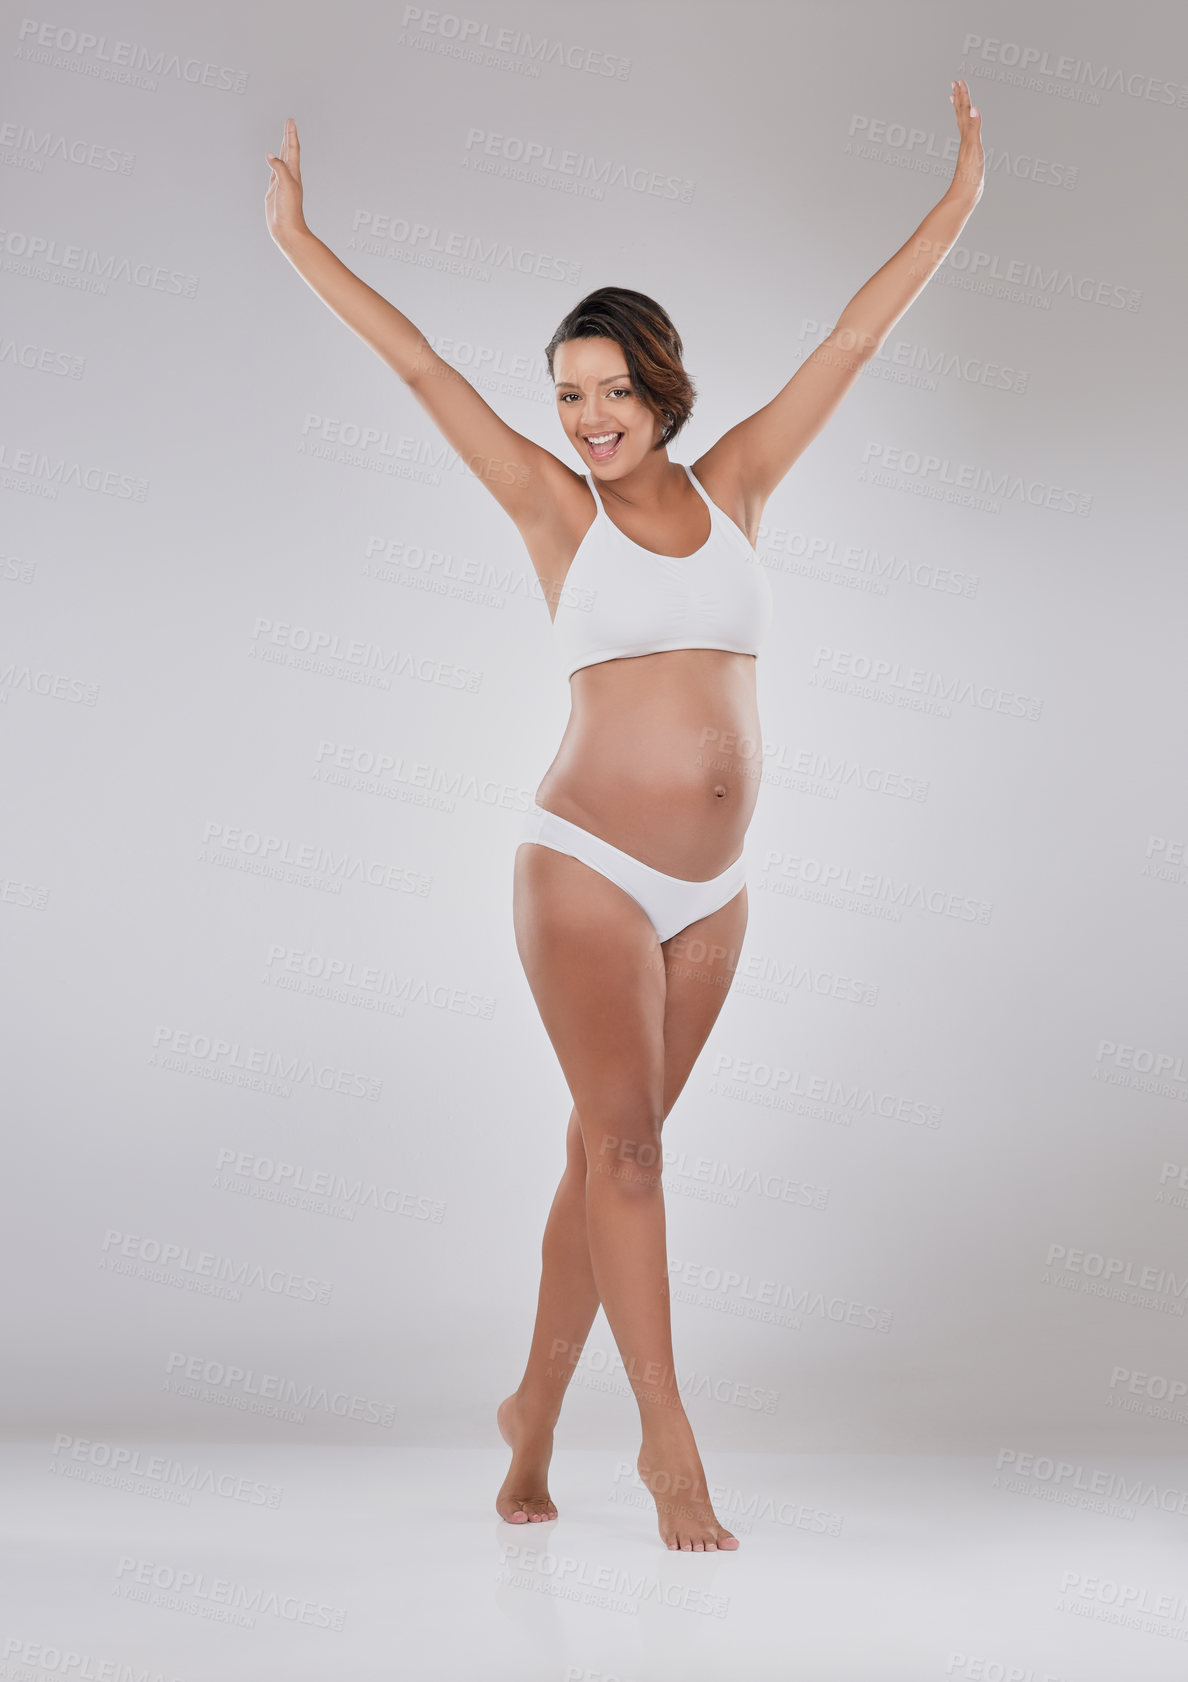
(971,163)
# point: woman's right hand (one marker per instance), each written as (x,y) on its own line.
(282,201)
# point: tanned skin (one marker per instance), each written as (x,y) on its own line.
(626,1014)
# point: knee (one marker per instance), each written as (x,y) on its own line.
(629,1159)
(575,1148)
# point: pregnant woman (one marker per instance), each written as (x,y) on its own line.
(629,896)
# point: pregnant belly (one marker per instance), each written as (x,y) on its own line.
(662,757)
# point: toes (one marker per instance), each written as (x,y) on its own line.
(701,1544)
(525,1509)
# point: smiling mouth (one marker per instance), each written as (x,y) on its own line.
(602,445)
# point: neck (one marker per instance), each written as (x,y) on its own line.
(656,482)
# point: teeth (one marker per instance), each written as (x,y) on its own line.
(606,438)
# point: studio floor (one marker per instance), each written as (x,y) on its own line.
(191,1562)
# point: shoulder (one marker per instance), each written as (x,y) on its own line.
(565,501)
(723,488)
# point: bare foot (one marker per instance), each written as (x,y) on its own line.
(524,1498)
(671,1469)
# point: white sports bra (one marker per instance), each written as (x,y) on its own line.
(627,600)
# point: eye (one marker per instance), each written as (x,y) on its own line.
(615,391)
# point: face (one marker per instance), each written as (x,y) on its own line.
(604,419)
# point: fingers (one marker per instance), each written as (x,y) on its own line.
(292,148)
(959,96)
(289,159)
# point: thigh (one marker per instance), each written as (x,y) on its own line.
(699,965)
(591,958)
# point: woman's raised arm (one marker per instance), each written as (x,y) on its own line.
(520,475)
(756,454)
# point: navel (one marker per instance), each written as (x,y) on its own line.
(720,792)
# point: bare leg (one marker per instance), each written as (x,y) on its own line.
(627,1019)
(565,1310)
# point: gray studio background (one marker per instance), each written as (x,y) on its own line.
(276,682)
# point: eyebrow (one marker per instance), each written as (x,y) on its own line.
(612,379)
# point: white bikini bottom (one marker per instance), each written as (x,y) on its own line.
(671,902)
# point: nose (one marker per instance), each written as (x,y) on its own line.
(592,419)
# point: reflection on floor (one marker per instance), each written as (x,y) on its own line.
(208,1562)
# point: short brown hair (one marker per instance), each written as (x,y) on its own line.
(650,343)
